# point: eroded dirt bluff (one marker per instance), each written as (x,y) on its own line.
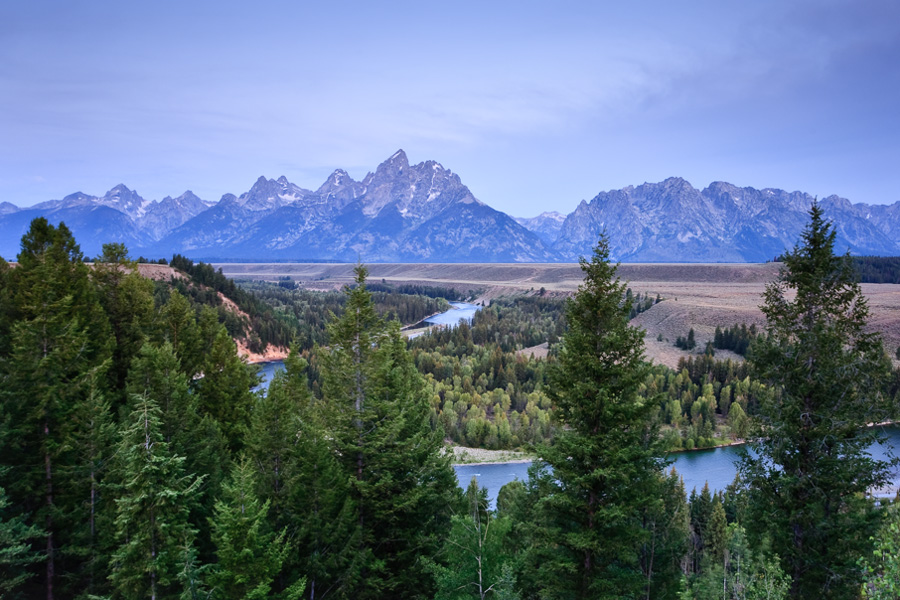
(272,352)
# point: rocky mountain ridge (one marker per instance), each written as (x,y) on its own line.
(424,213)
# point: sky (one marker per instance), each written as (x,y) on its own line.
(536,105)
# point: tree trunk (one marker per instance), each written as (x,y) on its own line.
(48,471)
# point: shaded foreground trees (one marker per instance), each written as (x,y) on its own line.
(400,483)
(122,406)
(810,469)
(606,464)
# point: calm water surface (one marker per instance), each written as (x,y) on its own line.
(460,310)
(716,466)
(267,371)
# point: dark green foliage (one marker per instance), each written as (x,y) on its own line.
(605,462)
(59,345)
(93,440)
(250,554)
(666,518)
(152,528)
(156,373)
(306,313)
(640,302)
(686,343)
(299,475)
(400,481)
(225,390)
(877,269)
(408,289)
(127,299)
(810,470)
(737,338)
(15,549)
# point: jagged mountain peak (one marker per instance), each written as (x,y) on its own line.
(546,225)
(76,197)
(835,201)
(397,164)
(424,212)
(270,194)
(119,189)
(398,156)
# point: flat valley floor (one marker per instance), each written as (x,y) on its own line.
(698,296)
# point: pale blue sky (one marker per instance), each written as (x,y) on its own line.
(536,105)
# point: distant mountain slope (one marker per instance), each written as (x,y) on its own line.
(546,225)
(401,212)
(671,221)
(121,215)
(424,213)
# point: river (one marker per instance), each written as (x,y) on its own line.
(716,466)
(460,310)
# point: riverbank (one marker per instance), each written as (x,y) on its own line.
(481,456)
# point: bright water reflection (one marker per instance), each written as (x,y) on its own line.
(460,310)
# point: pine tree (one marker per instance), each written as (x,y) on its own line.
(92,438)
(178,325)
(152,528)
(273,436)
(250,554)
(400,479)
(299,474)
(15,549)
(810,468)
(668,522)
(605,461)
(225,390)
(127,300)
(156,373)
(59,336)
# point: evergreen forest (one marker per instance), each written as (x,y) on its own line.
(139,459)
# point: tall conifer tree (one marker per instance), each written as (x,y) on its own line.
(605,460)
(225,390)
(127,299)
(299,474)
(250,554)
(811,467)
(401,482)
(152,528)
(156,373)
(59,336)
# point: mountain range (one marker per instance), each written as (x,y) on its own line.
(424,213)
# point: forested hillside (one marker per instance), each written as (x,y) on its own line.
(137,461)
